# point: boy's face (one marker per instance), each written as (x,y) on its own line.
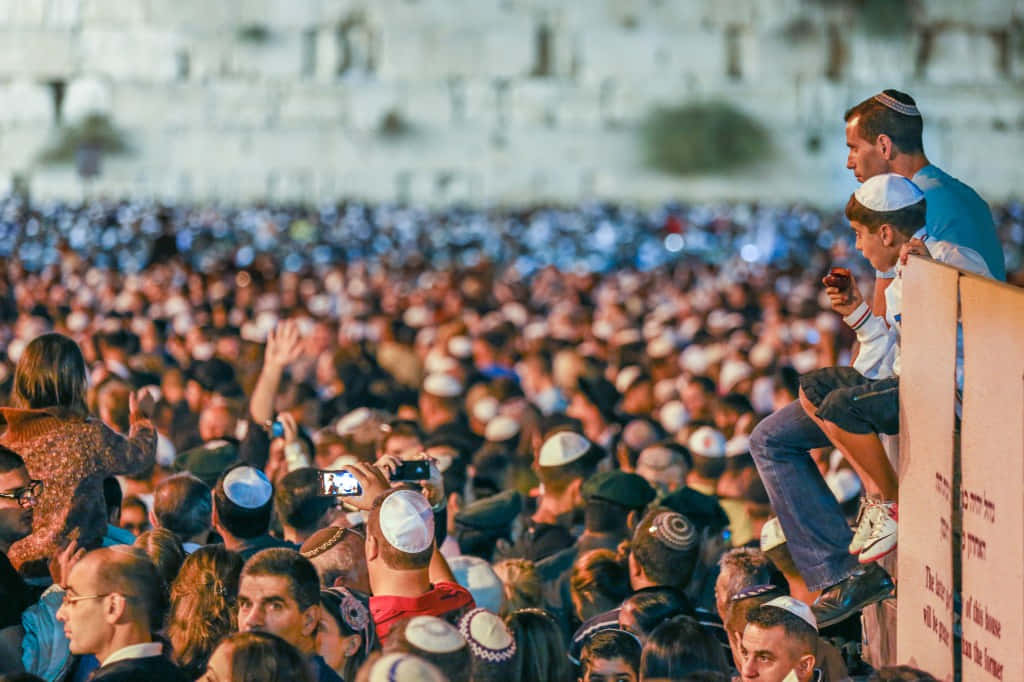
(609,670)
(878,246)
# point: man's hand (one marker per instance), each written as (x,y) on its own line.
(371,480)
(284,345)
(62,563)
(291,428)
(916,247)
(844,301)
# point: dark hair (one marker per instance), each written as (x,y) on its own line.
(11,460)
(678,647)
(398,427)
(112,495)
(303,582)
(164,549)
(737,402)
(874,119)
(661,563)
(652,606)
(609,645)
(51,372)
(239,521)
(602,516)
(263,657)
(332,601)
(20,677)
(182,505)
(542,654)
(392,556)
(901,673)
(203,606)
(745,567)
(796,628)
(297,499)
(129,571)
(601,577)
(707,384)
(907,220)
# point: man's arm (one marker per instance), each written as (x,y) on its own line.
(284,346)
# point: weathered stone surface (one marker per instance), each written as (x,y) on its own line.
(24,102)
(36,53)
(87,95)
(962,56)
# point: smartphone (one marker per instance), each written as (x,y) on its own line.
(338,483)
(412,470)
(277,430)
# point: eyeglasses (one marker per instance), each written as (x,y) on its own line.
(26,495)
(71,601)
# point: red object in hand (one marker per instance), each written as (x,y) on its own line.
(838,278)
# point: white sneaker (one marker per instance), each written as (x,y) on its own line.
(865,523)
(884,534)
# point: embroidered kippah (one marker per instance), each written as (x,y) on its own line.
(755,591)
(488,636)
(673,530)
(899,107)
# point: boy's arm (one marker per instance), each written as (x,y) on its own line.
(877,342)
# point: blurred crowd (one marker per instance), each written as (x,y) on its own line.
(579,384)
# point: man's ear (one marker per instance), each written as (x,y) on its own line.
(634,566)
(372,550)
(310,619)
(886,147)
(806,664)
(632,518)
(575,489)
(116,608)
(152,520)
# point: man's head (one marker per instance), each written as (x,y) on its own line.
(707,448)
(781,636)
(884,213)
(401,438)
(743,568)
(879,129)
(664,465)
(110,591)
(399,534)
(339,555)
(564,461)
(134,515)
(279,593)
(663,550)
(243,502)
(610,656)
(182,504)
(298,502)
(615,500)
(19,501)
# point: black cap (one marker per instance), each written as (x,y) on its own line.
(493,514)
(703,510)
(621,488)
(208,461)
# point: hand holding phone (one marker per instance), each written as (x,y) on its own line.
(340,483)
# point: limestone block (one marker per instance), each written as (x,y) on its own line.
(87,95)
(553,103)
(113,13)
(960,55)
(20,14)
(329,54)
(234,104)
(24,102)
(781,56)
(160,107)
(429,104)
(649,53)
(139,53)
(63,14)
(439,51)
(873,61)
(279,14)
(371,101)
(277,58)
(36,54)
(196,16)
(480,101)
(988,13)
(20,146)
(306,105)
(967,108)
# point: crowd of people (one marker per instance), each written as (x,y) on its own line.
(380,443)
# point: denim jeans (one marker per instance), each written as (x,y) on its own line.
(817,534)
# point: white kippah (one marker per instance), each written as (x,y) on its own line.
(431,634)
(627,376)
(439,363)
(896,105)
(658,457)
(460,346)
(796,607)
(501,428)
(628,336)
(353,420)
(247,487)
(673,416)
(562,448)
(732,373)
(442,386)
(488,636)
(661,346)
(399,667)
(888,192)
(407,522)
(707,442)
(417,316)
(772,535)
(694,359)
(485,409)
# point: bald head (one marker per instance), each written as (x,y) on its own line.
(127,571)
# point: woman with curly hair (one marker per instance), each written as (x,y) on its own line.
(203,606)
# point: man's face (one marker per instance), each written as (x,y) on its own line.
(873,246)
(403,447)
(84,610)
(266,604)
(767,656)
(865,158)
(134,519)
(15,520)
(609,670)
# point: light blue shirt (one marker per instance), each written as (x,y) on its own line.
(956,214)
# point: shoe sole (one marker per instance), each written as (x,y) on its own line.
(874,599)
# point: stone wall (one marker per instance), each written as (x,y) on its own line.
(507,101)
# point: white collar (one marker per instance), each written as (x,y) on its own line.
(144,650)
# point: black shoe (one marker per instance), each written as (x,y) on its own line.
(865,586)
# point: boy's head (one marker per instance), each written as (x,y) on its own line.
(885,212)
(610,656)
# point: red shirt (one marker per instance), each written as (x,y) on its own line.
(443,599)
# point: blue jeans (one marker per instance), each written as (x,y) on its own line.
(817,534)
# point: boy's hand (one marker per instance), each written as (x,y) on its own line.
(844,301)
(914,246)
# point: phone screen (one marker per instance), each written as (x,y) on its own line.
(412,470)
(338,483)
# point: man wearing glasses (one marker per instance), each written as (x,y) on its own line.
(18,496)
(113,602)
